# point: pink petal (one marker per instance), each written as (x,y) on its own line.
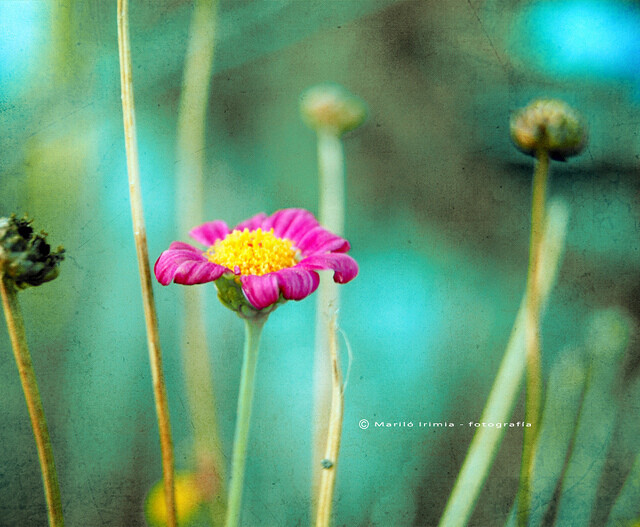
(290,223)
(208,233)
(185,266)
(192,272)
(252,223)
(166,265)
(296,283)
(320,240)
(344,266)
(184,247)
(261,291)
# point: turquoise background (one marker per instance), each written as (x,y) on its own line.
(437,214)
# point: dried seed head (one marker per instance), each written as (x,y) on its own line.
(330,107)
(551,125)
(25,257)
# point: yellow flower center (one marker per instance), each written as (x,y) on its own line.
(252,252)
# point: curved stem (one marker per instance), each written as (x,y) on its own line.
(15,326)
(533,394)
(140,237)
(330,461)
(625,509)
(253,329)
(506,385)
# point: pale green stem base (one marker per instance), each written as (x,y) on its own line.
(627,505)
(506,386)
(563,402)
(15,326)
(253,328)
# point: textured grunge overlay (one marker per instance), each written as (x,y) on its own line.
(437,211)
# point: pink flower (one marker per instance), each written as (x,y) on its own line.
(269,257)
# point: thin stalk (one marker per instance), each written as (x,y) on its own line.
(533,393)
(62,49)
(330,461)
(190,156)
(253,329)
(331,190)
(140,237)
(506,386)
(331,169)
(15,325)
(563,403)
(627,505)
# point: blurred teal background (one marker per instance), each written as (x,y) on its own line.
(437,215)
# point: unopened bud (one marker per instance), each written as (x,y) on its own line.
(550,125)
(331,108)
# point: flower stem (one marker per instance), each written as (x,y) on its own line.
(331,168)
(140,236)
(625,508)
(331,190)
(533,390)
(15,326)
(253,329)
(330,461)
(506,385)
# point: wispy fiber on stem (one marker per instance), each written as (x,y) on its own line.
(330,462)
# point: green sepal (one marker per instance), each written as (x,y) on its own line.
(231,295)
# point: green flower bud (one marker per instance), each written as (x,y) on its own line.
(231,295)
(331,108)
(25,257)
(551,125)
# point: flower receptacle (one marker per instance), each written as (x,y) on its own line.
(231,295)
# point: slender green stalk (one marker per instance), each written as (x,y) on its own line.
(563,401)
(533,393)
(253,329)
(140,236)
(331,168)
(331,175)
(330,461)
(506,386)
(606,343)
(15,325)
(627,505)
(62,48)
(190,156)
